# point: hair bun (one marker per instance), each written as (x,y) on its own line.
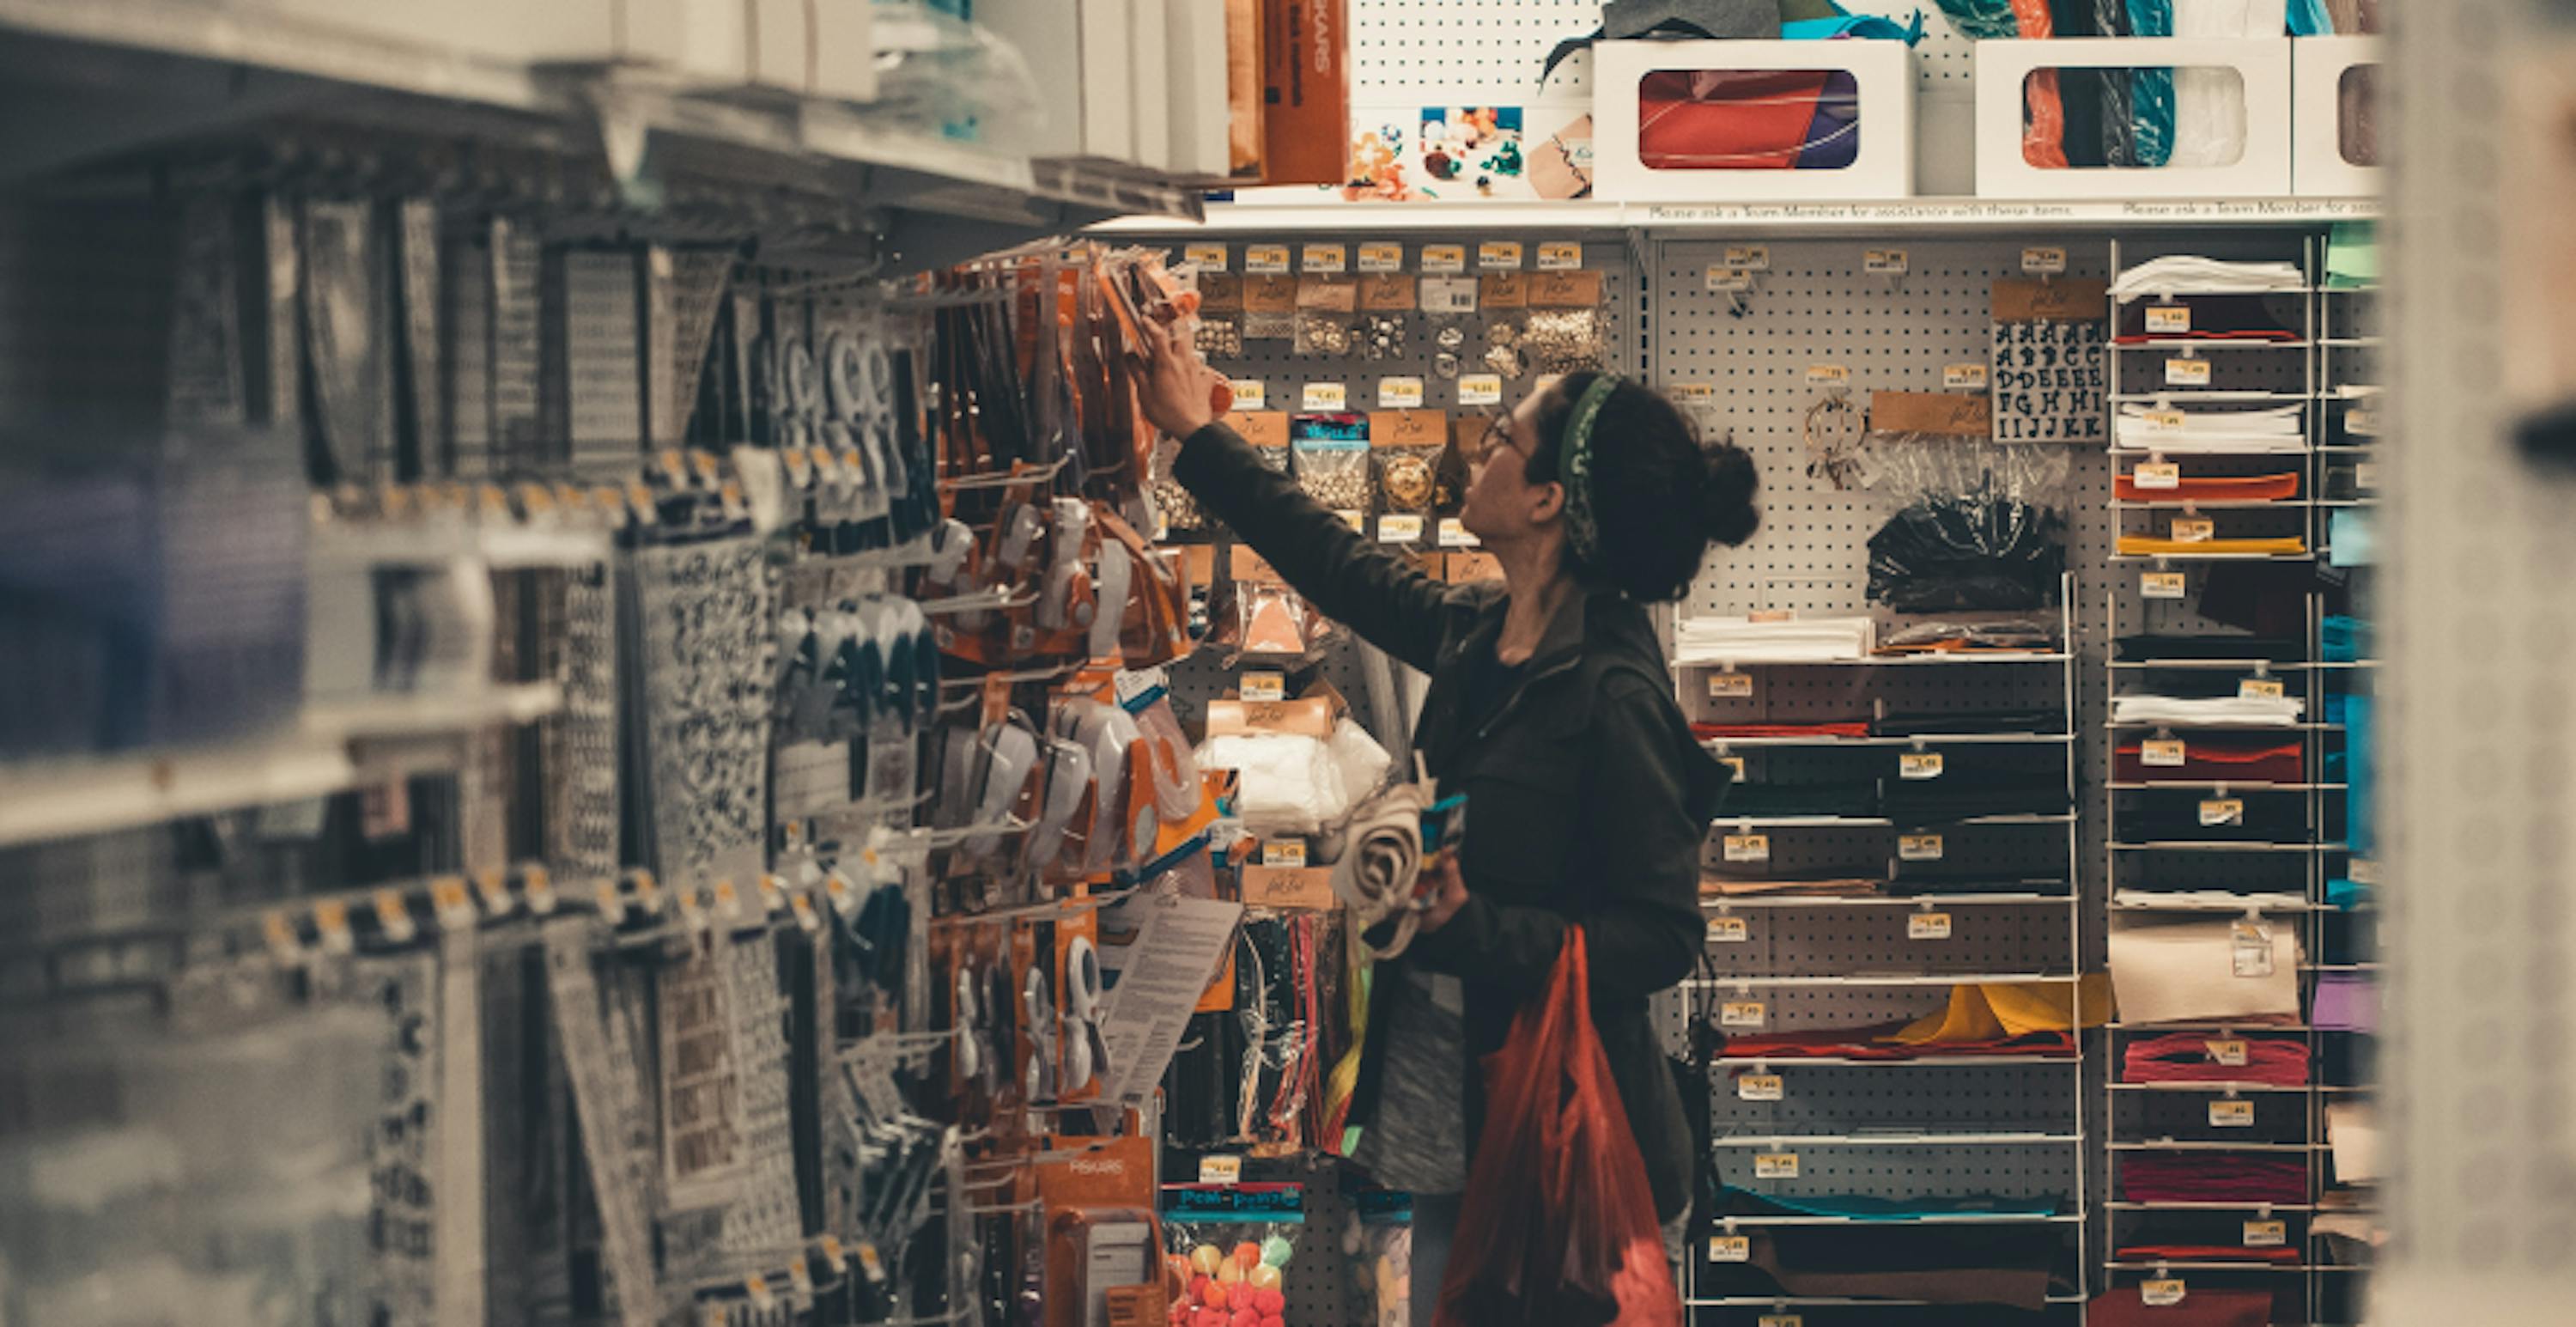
(1728,482)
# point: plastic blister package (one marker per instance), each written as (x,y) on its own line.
(1333,461)
(1380,1246)
(1407,477)
(1229,1247)
(1980,526)
(948,76)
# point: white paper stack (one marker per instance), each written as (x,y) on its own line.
(2149,428)
(2209,711)
(2191,274)
(1795,640)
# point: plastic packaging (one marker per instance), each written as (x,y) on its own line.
(1981,526)
(1332,460)
(1382,1255)
(950,77)
(1290,781)
(1229,1248)
(1407,477)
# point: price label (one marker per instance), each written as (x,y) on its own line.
(394,918)
(1444,258)
(1399,393)
(2156,475)
(1221,1170)
(2161,1293)
(1750,257)
(2231,1114)
(1928,926)
(1775,1165)
(1480,389)
(2251,943)
(1324,258)
(2260,688)
(1730,1248)
(2364,422)
(691,911)
(728,901)
(1761,1087)
(800,1278)
(1728,931)
(1249,394)
(1963,378)
(1780,1320)
(1354,518)
(648,895)
(452,902)
(1918,847)
(1265,259)
(2266,1234)
(540,887)
(2194,529)
(1453,533)
(807,919)
(2362,871)
(493,887)
(1730,686)
(1829,375)
(331,926)
(1381,257)
(1740,1014)
(2365,476)
(1560,256)
(762,1297)
(1206,257)
(1729,278)
(1498,255)
(1399,529)
(2161,585)
(2166,421)
(2185,372)
(2168,319)
(1747,847)
(278,931)
(1918,765)
(1883,262)
(1325,396)
(1265,684)
(2161,753)
(773,895)
(2218,811)
(2229,1053)
(1695,395)
(2048,261)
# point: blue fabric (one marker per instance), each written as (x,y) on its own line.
(1977,20)
(2346,894)
(2358,759)
(2308,18)
(1854,25)
(2151,91)
(2345,639)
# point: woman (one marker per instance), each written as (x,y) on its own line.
(1552,709)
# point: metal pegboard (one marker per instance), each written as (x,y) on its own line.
(1284,374)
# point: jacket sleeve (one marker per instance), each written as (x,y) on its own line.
(1639,902)
(1377,594)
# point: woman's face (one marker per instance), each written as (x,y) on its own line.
(1502,504)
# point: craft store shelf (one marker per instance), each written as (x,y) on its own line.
(1895,216)
(135,74)
(331,750)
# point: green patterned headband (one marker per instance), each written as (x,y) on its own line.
(1574,470)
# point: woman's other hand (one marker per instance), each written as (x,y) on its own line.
(1180,391)
(1446,891)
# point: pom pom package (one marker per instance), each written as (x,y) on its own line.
(1228,1250)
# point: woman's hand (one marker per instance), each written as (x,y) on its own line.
(1446,890)
(1179,393)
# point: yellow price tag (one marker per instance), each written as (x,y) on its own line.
(1740,1014)
(1728,931)
(1730,686)
(1747,847)
(1761,1087)
(1918,765)
(1928,926)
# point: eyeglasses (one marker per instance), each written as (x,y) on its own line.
(1497,439)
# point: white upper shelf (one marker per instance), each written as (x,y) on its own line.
(1930,215)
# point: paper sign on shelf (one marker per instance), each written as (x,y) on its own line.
(1775,1165)
(1207,257)
(1249,394)
(1884,262)
(1499,255)
(1728,931)
(1560,256)
(1480,389)
(1444,258)
(2163,753)
(1381,257)
(2237,1114)
(1730,686)
(1750,257)
(1399,393)
(2182,372)
(2168,319)
(1747,847)
(1730,1248)
(2156,475)
(1928,926)
(1265,259)
(1325,396)
(1918,847)
(1740,1014)
(1729,278)
(2162,585)
(1761,1087)
(1324,258)
(1918,765)
(2043,261)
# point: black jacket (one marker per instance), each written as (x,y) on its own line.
(1588,801)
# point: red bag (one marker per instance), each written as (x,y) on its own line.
(1558,1227)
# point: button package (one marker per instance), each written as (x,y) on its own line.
(1332,460)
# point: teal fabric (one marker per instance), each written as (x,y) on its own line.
(2151,90)
(2308,18)
(1977,20)
(2352,255)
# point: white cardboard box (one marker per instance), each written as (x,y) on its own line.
(2318,166)
(1198,109)
(1150,48)
(1078,58)
(2262,170)
(1882,168)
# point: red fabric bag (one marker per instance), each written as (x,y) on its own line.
(1558,1228)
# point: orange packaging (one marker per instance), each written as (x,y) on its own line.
(1306,120)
